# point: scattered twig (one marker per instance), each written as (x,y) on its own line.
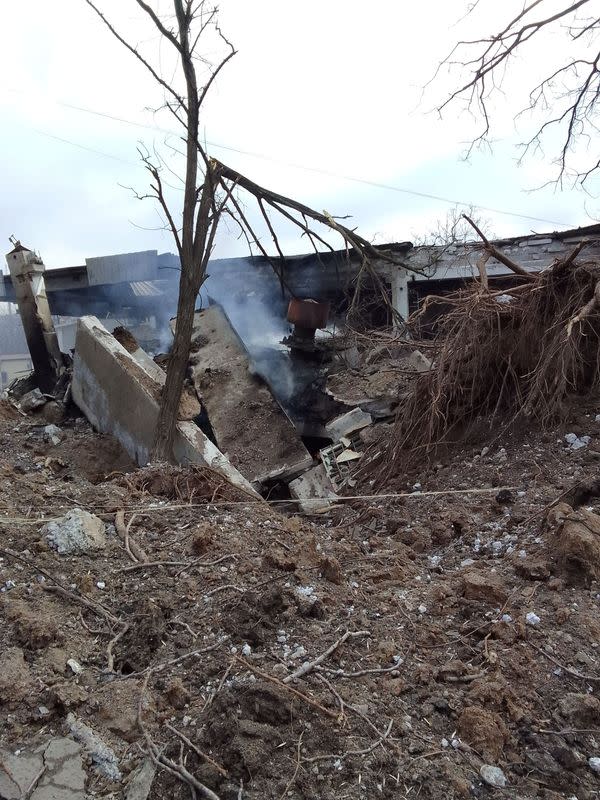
(110,659)
(288,688)
(220,686)
(134,551)
(188,564)
(290,783)
(342,756)
(197,750)
(163,665)
(91,604)
(567,731)
(569,671)
(309,666)
(223,588)
(339,673)
(160,760)
(352,708)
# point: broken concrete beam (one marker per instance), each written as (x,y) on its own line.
(27,274)
(189,407)
(348,423)
(314,490)
(249,425)
(120,398)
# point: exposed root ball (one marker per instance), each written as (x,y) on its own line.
(523,350)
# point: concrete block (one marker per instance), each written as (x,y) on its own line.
(348,423)
(314,490)
(120,398)
(419,362)
(249,425)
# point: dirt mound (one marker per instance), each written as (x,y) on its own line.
(184,484)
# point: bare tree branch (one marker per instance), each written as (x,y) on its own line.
(137,54)
(568,95)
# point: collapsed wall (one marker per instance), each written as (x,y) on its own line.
(120,396)
(249,425)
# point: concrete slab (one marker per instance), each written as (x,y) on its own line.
(51,770)
(314,490)
(120,398)
(348,423)
(249,425)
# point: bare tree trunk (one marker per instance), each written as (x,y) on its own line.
(192,277)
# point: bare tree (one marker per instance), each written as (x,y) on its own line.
(566,98)
(195,232)
(212,189)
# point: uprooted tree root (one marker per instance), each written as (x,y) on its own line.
(517,352)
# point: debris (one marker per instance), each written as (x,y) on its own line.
(32,400)
(27,273)
(577,541)
(577,442)
(75,533)
(53,434)
(488,588)
(594,763)
(484,730)
(74,666)
(348,423)
(140,781)
(119,397)
(15,677)
(314,490)
(493,776)
(532,619)
(580,710)
(248,424)
(103,758)
(48,771)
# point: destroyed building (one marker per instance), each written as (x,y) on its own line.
(434,635)
(277,388)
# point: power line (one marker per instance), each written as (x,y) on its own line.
(319,171)
(292,165)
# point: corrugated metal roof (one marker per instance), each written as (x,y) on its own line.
(145,289)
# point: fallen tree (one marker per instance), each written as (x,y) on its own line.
(522,351)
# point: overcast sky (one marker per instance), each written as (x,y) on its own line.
(320,92)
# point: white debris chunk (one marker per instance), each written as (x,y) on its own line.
(493,776)
(577,442)
(74,666)
(103,758)
(532,619)
(75,533)
(594,763)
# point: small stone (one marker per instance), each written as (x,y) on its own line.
(532,619)
(32,400)
(246,650)
(594,763)
(101,584)
(53,434)
(74,666)
(493,776)
(76,532)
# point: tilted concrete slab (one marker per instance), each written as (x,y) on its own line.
(314,490)
(249,425)
(348,423)
(119,397)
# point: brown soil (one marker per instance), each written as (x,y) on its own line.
(437,587)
